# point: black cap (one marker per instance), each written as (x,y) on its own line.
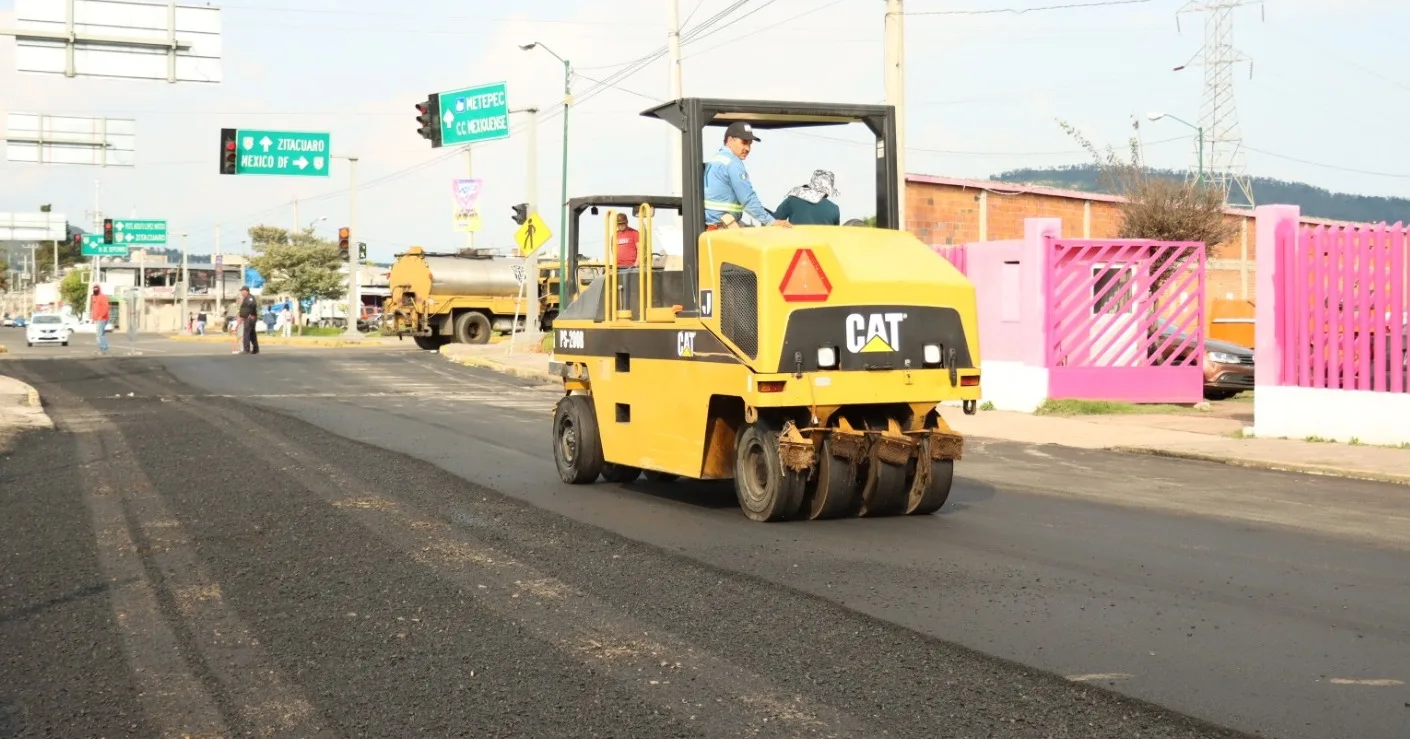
(741,130)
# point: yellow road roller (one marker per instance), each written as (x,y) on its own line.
(807,364)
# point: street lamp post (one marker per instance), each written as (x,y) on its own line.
(1199,178)
(563,213)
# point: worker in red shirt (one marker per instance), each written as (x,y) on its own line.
(627,238)
(100,312)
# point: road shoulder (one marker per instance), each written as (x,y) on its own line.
(20,410)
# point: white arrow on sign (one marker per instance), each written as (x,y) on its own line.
(318,162)
(301,162)
(129,237)
(248,142)
(265,142)
(449,118)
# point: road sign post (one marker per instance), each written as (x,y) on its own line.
(474,114)
(93,246)
(281,153)
(131,232)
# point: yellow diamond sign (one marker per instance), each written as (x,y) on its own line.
(532,235)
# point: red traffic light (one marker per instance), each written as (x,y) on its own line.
(230,146)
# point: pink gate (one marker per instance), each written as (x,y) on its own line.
(1125,320)
(1344,304)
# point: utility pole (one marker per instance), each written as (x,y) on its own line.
(185,282)
(896,95)
(469,172)
(298,225)
(354,297)
(531,261)
(219,265)
(674,44)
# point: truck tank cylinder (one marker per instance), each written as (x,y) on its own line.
(465,276)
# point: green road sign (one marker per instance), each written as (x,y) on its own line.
(293,153)
(93,246)
(138,233)
(474,114)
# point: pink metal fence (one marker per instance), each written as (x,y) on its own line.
(1125,320)
(956,254)
(1344,302)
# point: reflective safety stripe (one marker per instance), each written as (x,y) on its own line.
(727,207)
(720,160)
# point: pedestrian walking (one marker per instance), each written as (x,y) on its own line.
(249,316)
(101,312)
(201,323)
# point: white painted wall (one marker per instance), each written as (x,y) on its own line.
(1013,386)
(1341,415)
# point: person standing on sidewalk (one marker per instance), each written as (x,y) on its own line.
(249,318)
(101,312)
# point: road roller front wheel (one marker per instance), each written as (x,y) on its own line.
(766,490)
(577,448)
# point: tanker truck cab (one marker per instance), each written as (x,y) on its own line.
(805,364)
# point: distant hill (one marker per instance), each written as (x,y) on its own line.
(1314,201)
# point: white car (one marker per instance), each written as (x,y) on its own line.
(47,329)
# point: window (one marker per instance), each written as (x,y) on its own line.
(1113,290)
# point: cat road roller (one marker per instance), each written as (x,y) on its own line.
(806,364)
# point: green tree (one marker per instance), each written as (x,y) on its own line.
(73,290)
(1156,207)
(297,264)
(4,275)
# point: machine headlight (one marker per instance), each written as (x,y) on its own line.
(932,354)
(827,357)
(1222,358)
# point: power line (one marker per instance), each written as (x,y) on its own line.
(1021,11)
(755,32)
(1329,166)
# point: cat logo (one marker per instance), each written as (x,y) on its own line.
(685,343)
(874,332)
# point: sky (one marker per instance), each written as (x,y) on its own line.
(986,86)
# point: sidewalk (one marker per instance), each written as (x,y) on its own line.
(1198,436)
(527,361)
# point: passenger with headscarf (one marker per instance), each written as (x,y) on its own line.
(811,204)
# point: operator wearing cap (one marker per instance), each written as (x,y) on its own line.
(728,191)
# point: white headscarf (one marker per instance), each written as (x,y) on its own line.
(820,187)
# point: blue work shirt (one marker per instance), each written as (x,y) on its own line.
(728,190)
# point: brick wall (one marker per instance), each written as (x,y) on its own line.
(943,210)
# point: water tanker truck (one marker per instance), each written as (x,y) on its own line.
(466,296)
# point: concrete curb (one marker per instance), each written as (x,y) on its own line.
(31,412)
(505,369)
(1304,469)
(282,341)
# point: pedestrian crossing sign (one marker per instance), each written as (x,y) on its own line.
(532,235)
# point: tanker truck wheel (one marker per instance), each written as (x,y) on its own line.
(429,343)
(472,328)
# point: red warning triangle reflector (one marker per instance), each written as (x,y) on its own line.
(804,281)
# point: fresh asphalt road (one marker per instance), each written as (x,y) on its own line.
(204,545)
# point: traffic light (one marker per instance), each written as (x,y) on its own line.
(78,240)
(343,235)
(361,250)
(428,119)
(521,213)
(107,230)
(228,150)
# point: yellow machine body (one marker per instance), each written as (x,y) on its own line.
(670,392)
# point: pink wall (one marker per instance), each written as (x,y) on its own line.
(1008,278)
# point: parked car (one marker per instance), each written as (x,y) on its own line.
(1228,368)
(47,329)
